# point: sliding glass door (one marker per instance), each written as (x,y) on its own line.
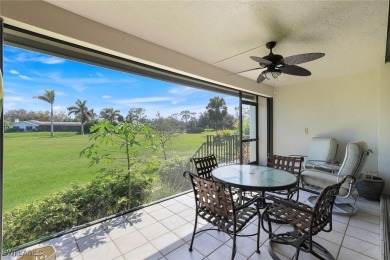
(249,129)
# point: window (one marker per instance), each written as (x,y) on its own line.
(91,89)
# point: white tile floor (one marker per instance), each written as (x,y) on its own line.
(163,231)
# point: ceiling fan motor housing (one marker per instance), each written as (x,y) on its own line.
(274,58)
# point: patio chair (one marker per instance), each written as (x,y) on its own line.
(292,164)
(204,165)
(214,203)
(322,150)
(356,155)
(305,220)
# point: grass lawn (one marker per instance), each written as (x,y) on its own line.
(37,165)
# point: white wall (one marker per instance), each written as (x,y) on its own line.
(346,108)
(384,125)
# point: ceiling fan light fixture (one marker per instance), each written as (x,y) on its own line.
(271,73)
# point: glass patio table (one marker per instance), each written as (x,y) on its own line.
(255,178)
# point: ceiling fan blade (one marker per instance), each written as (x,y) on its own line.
(244,71)
(260,78)
(294,70)
(302,58)
(261,60)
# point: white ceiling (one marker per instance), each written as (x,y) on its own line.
(352,34)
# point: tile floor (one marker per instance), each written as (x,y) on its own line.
(163,231)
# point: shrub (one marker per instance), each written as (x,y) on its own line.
(105,195)
(171,176)
(195,130)
(13,130)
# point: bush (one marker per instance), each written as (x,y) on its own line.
(171,177)
(105,195)
(195,130)
(13,130)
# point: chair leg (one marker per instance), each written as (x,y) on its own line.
(193,233)
(234,240)
(297,195)
(234,245)
(269,227)
(258,228)
(258,239)
(297,254)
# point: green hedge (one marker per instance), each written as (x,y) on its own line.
(105,195)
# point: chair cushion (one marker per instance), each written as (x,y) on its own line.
(322,179)
(322,148)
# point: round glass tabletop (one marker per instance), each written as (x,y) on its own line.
(255,177)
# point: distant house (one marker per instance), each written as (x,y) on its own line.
(24,126)
(39,126)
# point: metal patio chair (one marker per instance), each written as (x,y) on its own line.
(292,164)
(305,220)
(215,204)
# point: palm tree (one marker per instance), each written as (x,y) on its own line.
(79,110)
(109,114)
(92,115)
(217,110)
(185,115)
(49,97)
(136,115)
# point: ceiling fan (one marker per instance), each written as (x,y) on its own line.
(275,64)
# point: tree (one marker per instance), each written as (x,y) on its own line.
(136,115)
(130,139)
(165,129)
(92,115)
(79,110)
(204,120)
(61,116)
(217,110)
(16,114)
(185,115)
(49,97)
(109,114)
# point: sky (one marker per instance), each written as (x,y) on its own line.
(28,74)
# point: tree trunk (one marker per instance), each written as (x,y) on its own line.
(51,121)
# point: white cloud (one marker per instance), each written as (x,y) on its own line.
(183,91)
(24,77)
(35,57)
(14,98)
(9,105)
(106,97)
(78,84)
(178,101)
(15,72)
(10,91)
(50,60)
(61,94)
(135,101)
(59,108)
